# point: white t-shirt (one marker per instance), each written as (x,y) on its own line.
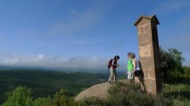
(136,63)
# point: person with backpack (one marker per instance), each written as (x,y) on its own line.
(137,69)
(112,65)
(130,67)
(137,72)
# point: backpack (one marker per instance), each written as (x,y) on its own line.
(110,63)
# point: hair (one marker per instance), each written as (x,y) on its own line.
(116,57)
(129,54)
(133,55)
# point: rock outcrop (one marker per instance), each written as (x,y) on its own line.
(98,90)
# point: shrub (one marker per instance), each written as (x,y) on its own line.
(125,94)
(62,98)
(41,101)
(19,97)
(171,65)
(131,95)
(121,94)
(93,101)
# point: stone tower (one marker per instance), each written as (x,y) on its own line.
(149,52)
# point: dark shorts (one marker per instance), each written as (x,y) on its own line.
(138,73)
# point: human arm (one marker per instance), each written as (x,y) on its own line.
(114,64)
(134,65)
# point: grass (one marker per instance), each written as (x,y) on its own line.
(180,90)
(180,93)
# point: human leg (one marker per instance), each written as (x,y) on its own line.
(137,74)
(111,77)
(141,80)
(114,75)
(130,76)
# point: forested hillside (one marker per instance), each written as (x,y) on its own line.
(46,83)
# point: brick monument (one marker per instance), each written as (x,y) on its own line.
(149,52)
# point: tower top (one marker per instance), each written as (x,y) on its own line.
(153,18)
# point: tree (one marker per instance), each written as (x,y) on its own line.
(171,64)
(19,97)
(62,98)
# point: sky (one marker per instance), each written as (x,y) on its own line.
(85,33)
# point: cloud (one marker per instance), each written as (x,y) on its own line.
(73,24)
(81,20)
(78,21)
(9,61)
(40,56)
(41,60)
(173,5)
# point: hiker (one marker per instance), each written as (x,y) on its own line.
(112,65)
(130,67)
(137,70)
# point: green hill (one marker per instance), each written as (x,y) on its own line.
(46,83)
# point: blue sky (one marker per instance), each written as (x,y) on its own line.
(85,33)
